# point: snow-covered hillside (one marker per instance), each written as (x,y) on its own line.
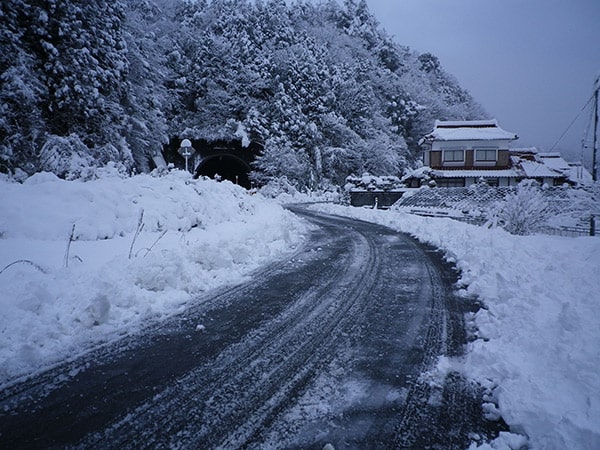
(60,298)
(539,341)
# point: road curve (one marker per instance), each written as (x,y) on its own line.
(330,346)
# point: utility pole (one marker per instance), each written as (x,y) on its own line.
(595,147)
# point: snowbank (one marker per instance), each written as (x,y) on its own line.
(196,235)
(539,339)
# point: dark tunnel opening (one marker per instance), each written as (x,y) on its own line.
(227,167)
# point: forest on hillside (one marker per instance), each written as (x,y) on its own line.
(318,84)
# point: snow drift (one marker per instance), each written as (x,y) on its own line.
(538,338)
(85,277)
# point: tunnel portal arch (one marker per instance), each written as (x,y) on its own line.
(230,159)
(227,166)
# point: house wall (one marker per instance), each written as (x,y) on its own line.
(433,155)
(468,145)
(502,182)
(468,181)
(503,159)
(469,158)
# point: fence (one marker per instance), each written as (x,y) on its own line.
(554,231)
(571,231)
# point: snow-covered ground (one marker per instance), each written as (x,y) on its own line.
(58,300)
(539,338)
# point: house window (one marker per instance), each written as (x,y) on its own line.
(454,155)
(494,182)
(485,155)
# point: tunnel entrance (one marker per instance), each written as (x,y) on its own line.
(228,167)
(230,159)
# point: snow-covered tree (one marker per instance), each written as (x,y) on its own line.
(22,88)
(146,101)
(280,159)
(319,83)
(523,211)
(64,76)
(85,67)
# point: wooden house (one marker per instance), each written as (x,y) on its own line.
(462,153)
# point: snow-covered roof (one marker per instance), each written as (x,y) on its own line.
(534,169)
(524,151)
(579,174)
(469,130)
(573,171)
(553,160)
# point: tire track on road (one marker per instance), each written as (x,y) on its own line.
(358,307)
(253,381)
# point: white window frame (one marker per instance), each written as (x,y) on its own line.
(485,162)
(453,161)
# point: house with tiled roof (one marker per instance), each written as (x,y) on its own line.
(575,171)
(462,153)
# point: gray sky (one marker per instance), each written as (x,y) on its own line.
(530,63)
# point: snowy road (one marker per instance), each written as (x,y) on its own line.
(328,347)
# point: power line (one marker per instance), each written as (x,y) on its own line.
(571,124)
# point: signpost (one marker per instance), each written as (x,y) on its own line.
(186,150)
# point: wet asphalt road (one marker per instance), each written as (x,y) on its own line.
(328,346)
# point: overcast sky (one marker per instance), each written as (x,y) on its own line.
(531,63)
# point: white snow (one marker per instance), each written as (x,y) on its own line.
(534,169)
(197,235)
(469,130)
(573,170)
(539,338)
(243,135)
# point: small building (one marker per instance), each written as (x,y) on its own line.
(462,153)
(575,172)
(376,192)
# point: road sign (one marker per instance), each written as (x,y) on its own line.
(186,150)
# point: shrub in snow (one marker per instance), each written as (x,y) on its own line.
(586,201)
(277,187)
(280,159)
(69,158)
(422,173)
(523,211)
(66,157)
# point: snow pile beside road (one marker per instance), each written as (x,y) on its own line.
(196,235)
(539,338)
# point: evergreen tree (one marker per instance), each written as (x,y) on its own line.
(22,127)
(146,100)
(319,84)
